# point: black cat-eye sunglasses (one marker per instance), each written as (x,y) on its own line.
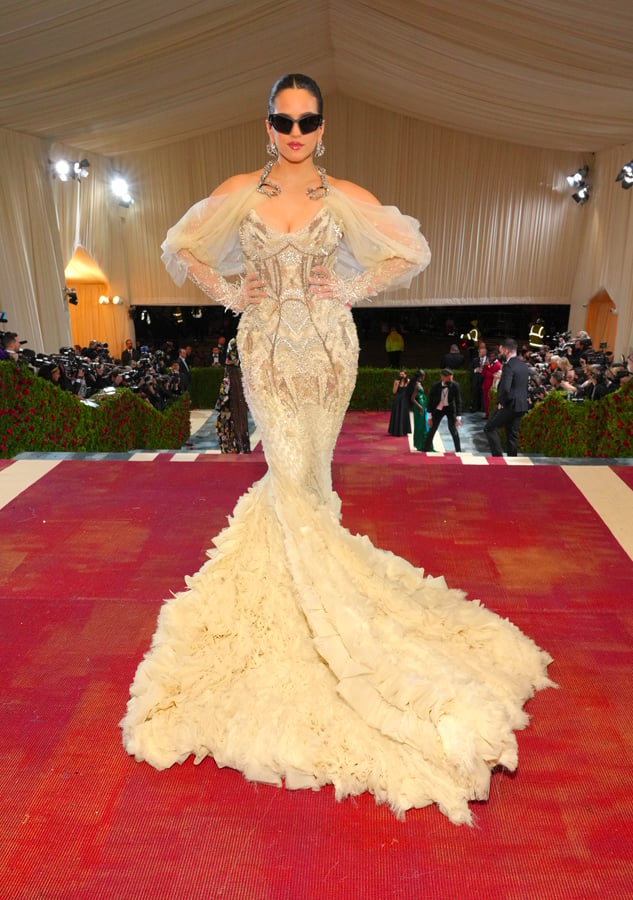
(283,124)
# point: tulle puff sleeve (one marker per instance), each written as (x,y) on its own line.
(210,231)
(382,248)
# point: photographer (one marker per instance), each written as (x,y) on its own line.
(78,384)
(582,349)
(595,387)
(96,378)
(616,376)
(50,371)
(9,345)
(561,381)
(116,377)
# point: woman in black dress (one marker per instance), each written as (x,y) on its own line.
(400,421)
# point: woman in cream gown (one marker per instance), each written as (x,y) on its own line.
(300,653)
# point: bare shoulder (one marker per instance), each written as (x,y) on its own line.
(355,191)
(237,182)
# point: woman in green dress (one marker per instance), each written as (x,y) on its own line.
(418,402)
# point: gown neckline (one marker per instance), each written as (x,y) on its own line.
(277,233)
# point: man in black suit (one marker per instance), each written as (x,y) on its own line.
(183,370)
(512,401)
(129,353)
(445,399)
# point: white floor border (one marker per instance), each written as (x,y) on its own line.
(20,475)
(610,497)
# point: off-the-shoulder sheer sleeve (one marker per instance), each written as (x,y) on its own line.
(210,230)
(204,246)
(382,248)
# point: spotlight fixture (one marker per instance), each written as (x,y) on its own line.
(121,191)
(80,169)
(65,169)
(578,177)
(582,194)
(103,299)
(582,188)
(625,176)
(71,296)
(116,300)
(61,169)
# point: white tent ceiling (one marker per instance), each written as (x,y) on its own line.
(114,76)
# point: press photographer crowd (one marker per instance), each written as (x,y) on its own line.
(157,376)
(575,367)
(569,364)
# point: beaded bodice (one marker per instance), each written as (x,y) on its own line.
(299,352)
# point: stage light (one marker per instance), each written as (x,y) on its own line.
(103,299)
(121,190)
(116,300)
(582,188)
(62,169)
(80,169)
(582,194)
(65,169)
(578,177)
(625,177)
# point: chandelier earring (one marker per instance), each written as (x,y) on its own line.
(271,150)
(319,150)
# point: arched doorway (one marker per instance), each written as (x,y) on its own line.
(92,319)
(601,320)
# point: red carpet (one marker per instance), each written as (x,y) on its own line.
(88,553)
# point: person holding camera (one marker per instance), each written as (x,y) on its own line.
(79,385)
(595,387)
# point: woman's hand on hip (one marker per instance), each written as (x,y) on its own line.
(321,283)
(253,288)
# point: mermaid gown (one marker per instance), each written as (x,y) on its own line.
(300,654)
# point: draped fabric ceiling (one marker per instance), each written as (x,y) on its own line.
(114,77)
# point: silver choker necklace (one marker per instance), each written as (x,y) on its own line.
(270,189)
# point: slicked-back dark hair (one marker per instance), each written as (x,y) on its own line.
(295,80)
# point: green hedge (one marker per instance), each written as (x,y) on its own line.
(36,415)
(373,391)
(596,429)
(205,386)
